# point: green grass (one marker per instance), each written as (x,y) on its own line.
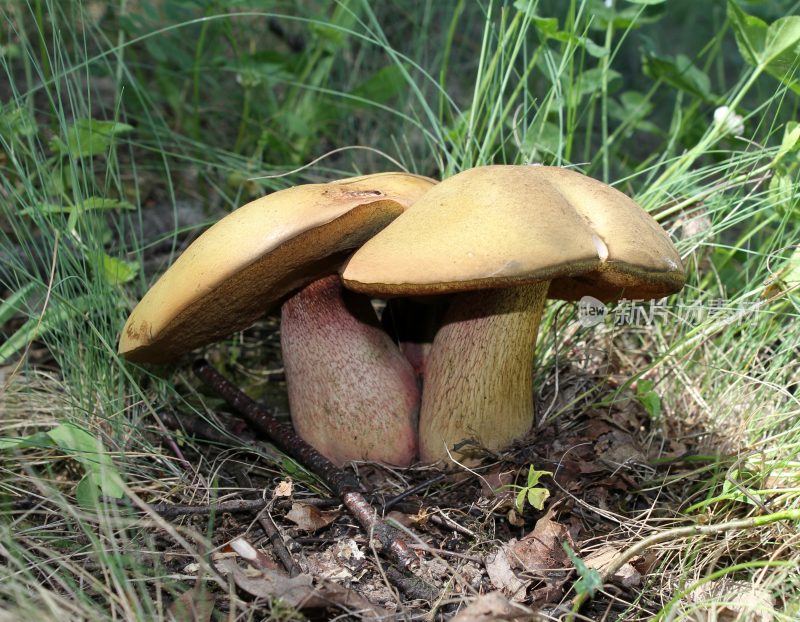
(190,104)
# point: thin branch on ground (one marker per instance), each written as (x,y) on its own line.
(278,544)
(344,485)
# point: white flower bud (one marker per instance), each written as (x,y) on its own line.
(731,122)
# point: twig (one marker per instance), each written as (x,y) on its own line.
(236,506)
(169,510)
(281,434)
(411,585)
(275,538)
(412,491)
(343,484)
(449,523)
(679,533)
(199,427)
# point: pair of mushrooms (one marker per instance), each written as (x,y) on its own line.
(493,242)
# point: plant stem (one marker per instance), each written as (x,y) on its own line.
(679,533)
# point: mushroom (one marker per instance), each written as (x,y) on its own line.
(502,239)
(256,257)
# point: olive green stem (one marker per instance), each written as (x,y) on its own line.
(479,378)
(679,533)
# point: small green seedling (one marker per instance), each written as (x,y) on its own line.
(535,495)
(590,579)
(648,398)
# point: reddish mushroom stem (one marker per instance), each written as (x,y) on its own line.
(352,394)
(479,379)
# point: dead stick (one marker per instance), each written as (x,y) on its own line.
(343,484)
(280,434)
(412,491)
(168,510)
(275,538)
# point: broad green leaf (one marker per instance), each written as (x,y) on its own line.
(39,439)
(520,502)
(591,80)
(775,47)
(631,108)
(542,137)
(791,270)
(597,51)
(115,271)
(90,453)
(782,194)
(590,579)
(537,497)
(89,137)
(101,476)
(678,72)
(790,142)
(648,398)
(545,25)
(381,86)
(16,121)
(624,16)
(534,476)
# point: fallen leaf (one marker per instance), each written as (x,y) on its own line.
(309,518)
(727,600)
(283,489)
(600,560)
(502,575)
(303,591)
(618,448)
(540,552)
(494,606)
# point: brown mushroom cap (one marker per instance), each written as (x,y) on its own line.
(251,259)
(499,226)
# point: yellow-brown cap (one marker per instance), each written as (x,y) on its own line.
(499,226)
(251,259)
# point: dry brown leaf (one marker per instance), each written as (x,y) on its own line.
(541,551)
(627,576)
(502,575)
(309,518)
(303,592)
(618,448)
(283,489)
(728,600)
(494,606)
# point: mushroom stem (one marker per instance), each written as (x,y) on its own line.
(479,380)
(413,325)
(352,394)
